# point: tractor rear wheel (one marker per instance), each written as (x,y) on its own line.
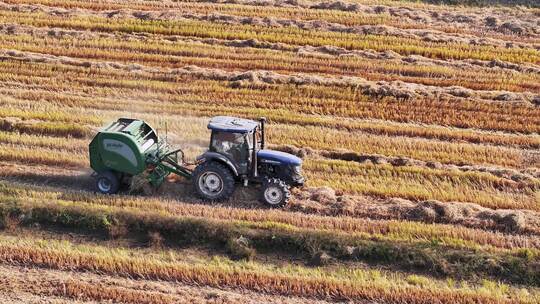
(107,182)
(275,193)
(213,181)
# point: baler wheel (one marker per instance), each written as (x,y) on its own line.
(213,181)
(107,183)
(275,193)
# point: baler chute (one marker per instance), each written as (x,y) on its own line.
(130,147)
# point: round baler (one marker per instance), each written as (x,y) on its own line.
(129,147)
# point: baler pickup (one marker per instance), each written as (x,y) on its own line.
(129,147)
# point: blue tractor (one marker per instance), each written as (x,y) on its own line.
(237,155)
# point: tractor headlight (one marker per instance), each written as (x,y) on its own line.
(297,170)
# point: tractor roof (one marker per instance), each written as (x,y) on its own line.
(232,124)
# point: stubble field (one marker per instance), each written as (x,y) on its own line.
(418,125)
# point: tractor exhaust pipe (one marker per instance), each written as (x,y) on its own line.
(262,120)
(254,164)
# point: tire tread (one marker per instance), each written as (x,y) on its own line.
(281,184)
(226,175)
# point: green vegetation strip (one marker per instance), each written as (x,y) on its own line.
(352,285)
(517,266)
(456,236)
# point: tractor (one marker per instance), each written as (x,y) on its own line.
(236,155)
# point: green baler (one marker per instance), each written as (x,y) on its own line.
(130,147)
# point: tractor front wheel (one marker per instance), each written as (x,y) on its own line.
(275,193)
(107,183)
(213,181)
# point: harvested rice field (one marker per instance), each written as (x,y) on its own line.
(417,123)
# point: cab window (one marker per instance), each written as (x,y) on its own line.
(233,145)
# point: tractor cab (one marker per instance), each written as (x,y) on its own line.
(236,139)
(236,154)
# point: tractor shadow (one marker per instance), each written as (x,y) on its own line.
(65,179)
(181,190)
(175,188)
